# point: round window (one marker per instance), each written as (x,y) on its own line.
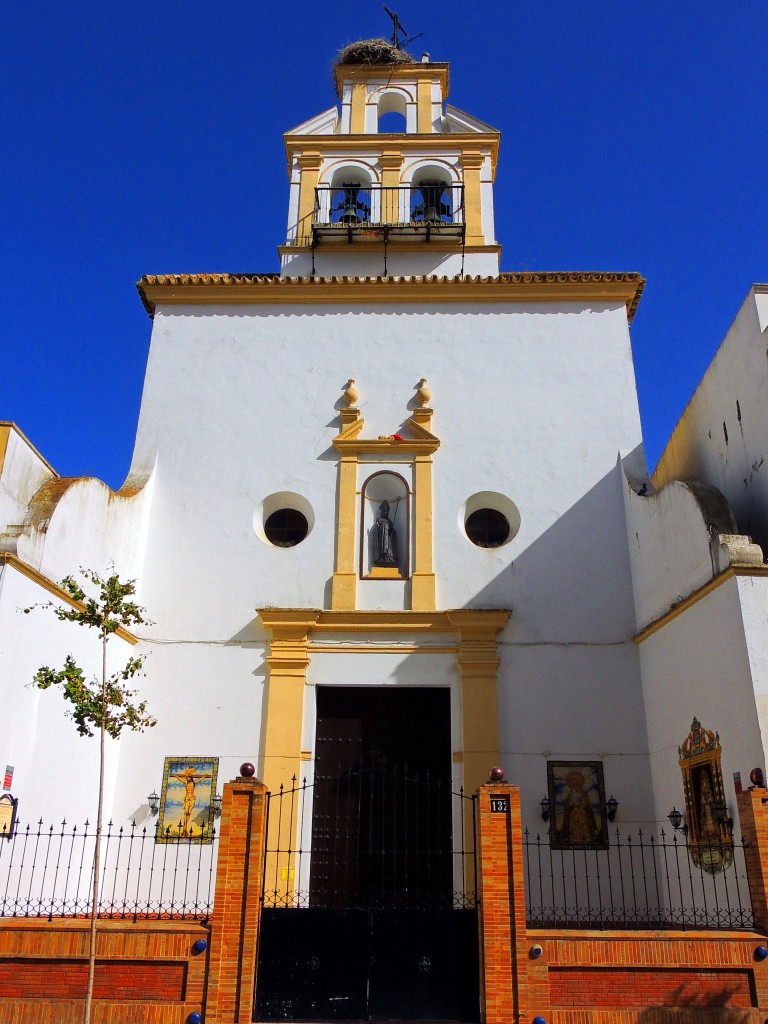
(489,519)
(487,527)
(286,527)
(283,519)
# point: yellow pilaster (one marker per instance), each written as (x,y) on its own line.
(423,595)
(391,165)
(5,430)
(310,164)
(357,111)
(424,106)
(344,583)
(284,712)
(478,662)
(473,213)
(423,581)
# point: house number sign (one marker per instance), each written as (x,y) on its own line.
(499,805)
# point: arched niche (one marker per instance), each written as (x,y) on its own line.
(385,527)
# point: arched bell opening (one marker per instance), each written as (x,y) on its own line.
(434,196)
(350,196)
(385,533)
(391,113)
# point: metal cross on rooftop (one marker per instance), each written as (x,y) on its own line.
(397,29)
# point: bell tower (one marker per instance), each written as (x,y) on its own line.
(393,182)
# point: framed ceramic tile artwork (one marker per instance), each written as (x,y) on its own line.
(186,800)
(577,805)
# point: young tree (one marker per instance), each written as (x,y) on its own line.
(105,704)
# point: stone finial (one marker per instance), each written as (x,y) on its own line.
(423,394)
(351,394)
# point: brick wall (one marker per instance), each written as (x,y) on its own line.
(613,977)
(148,974)
(145,971)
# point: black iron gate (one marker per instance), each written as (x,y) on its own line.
(370,909)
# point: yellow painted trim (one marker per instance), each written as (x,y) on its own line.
(5,431)
(310,164)
(296,634)
(381,648)
(357,110)
(384,572)
(472,163)
(419,449)
(536,286)
(702,592)
(374,245)
(423,587)
(389,73)
(416,143)
(478,663)
(384,447)
(344,582)
(288,658)
(391,161)
(424,106)
(6,558)
(5,428)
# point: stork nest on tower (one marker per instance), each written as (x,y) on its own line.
(372,51)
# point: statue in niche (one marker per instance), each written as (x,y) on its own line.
(386,538)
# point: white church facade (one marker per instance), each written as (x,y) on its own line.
(392,468)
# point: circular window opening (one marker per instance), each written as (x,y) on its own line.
(489,519)
(286,527)
(283,519)
(487,527)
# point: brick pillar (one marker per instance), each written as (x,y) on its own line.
(503,946)
(237,903)
(753,819)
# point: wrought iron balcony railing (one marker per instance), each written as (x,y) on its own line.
(400,211)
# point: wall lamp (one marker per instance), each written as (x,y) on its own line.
(676,820)
(154,803)
(216,805)
(545,808)
(611,807)
(720,814)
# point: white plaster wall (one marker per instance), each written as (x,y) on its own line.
(753,595)
(669,547)
(486,202)
(577,700)
(239,403)
(532,401)
(89,526)
(698,448)
(22,473)
(698,664)
(56,770)
(428,261)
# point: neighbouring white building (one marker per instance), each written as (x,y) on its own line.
(390,467)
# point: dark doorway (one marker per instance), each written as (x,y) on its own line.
(381,820)
(385,927)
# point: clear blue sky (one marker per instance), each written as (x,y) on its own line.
(146,138)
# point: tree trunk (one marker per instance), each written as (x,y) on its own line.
(97,849)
